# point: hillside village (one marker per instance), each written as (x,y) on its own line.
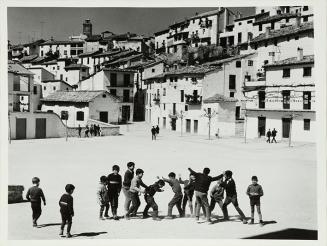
(217,72)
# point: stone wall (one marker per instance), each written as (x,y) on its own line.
(15,193)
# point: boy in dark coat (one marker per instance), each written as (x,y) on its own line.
(129,175)
(66,204)
(254,192)
(202,184)
(177,199)
(114,188)
(150,191)
(34,195)
(103,197)
(268,136)
(153,133)
(157,130)
(273,134)
(231,196)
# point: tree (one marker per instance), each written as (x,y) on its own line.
(181,116)
(209,114)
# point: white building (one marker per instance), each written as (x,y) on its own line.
(82,106)
(50,86)
(284,101)
(66,49)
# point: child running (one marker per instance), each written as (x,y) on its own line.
(114,188)
(150,191)
(103,197)
(254,192)
(217,195)
(67,210)
(134,193)
(34,195)
(177,199)
(129,175)
(231,196)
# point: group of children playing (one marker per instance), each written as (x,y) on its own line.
(197,185)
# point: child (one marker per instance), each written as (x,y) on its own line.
(103,197)
(114,188)
(254,192)
(188,193)
(217,195)
(134,193)
(67,209)
(34,195)
(177,199)
(129,175)
(150,191)
(231,196)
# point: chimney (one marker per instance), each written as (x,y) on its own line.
(298,21)
(299,54)
(196,13)
(51,38)
(267,32)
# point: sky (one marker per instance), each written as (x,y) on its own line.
(26,23)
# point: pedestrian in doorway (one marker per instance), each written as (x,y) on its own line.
(79,131)
(129,175)
(231,196)
(114,188)
(255,192)
(67,209)
(34,195)
(150,191)
(87,130)
(268,136)
(153,132)
(274,134)
(157,130)
(92,130)
(178,195)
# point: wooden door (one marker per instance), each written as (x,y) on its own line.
(195,126)
(104,116)
(261,126)
(20,128)
(188,125)
(286,127)
(41,128)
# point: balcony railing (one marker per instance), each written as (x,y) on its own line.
(193,99)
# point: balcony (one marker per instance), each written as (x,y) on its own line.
(260,80)
(193,99)
(128,99)
(156,100)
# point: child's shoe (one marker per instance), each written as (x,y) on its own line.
(69,235)
(261,223)
(61,233)
(169,217)
(145,216)
(245,221)
(126,217)
(251,222)
(116,217)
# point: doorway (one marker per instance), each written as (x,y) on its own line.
(21,128)
(41,128)
(104,116)
(261,126)
(125,113)
(195,126)
(286,122)
(188,125)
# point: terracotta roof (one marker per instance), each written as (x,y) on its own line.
(90,53)
(124,59)
(75,66)
(119,70)
(219,98)
(251,16)
(17,47)
(275,18)
(76,96)
(107,53)
(219,62)
(56,81)
(94,38)
(17,69)
(27,59)
(161,32)
(56,42)
(286,31)
(189,70)
(144,64)
(292,61)
(36,42)
(50,62)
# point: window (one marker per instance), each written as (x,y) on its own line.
(65,52)
(286,99)
(35,89)
(41,52)
(260,27)
(209,111)
(58,67)
(305,8)
(306,71)
(238,63)
(286,72)
(113,79)
(237,112)
(80,115)
(306,124)
(232,82)
(164,106)
(247,77)
(262,99)
(54,88)
(297,38)
(239,37)
(164,91)
(307,100)
(113,92)
(249,21)
(182,95)
(153,70)
(66,79)
(250,63)
(127,79)
(88,60)
(53,68)
(44,88)
(305,19)
(50,111)
(240,23)
(64,115)
(272,26)
(287,20)
(186,107)
(231,94)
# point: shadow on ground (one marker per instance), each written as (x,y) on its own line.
(89,234)
(50,224)
(290,233)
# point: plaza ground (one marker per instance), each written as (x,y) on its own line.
(287,175)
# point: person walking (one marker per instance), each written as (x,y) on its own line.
(157,130)
(67,209)
(153,132)
(274,134)
(87,130)
(268,136)
(79,131)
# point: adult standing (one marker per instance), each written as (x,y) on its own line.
(87,131)
(153,132)
(273,134)
(157,130)
(79,131)
(268,136)
(201,187)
